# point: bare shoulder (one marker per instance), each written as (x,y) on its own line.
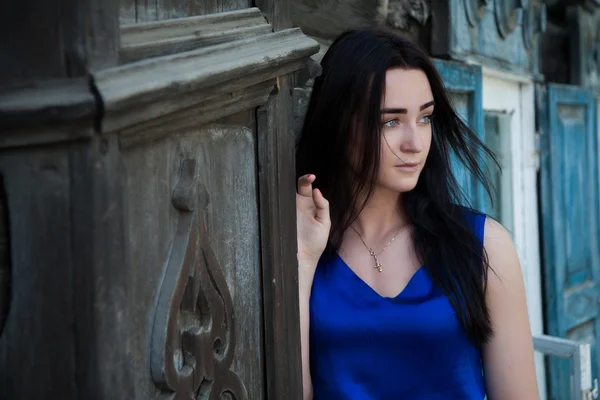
(495,232)
(501,251)
(508,356)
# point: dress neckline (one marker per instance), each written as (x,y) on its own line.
(407,288)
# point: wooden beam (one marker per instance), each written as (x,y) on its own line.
(151,39)
(277,187)
(154,88)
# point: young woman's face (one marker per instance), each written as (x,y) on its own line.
(406,127)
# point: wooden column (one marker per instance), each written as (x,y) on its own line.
(48,114)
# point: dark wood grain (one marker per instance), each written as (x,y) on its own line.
(31,36)
(5,259)
(278,234)
(92,222)
(276,179)
(277,13)
(138,92)
(37,351)
(164,37)
(133,11)
(56,39)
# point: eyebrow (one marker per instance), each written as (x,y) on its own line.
(404,110)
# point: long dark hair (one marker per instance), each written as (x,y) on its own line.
(344,116)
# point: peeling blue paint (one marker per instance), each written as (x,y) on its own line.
(570,223)
(464,83)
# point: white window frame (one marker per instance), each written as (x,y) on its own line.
(514,95)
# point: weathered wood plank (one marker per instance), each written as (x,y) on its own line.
(209,110)
(276,160)
(152,39)
(111,316)
(99,22)
(146,10)
(570,220)
(37,346)
(127,12)
(46,111)
(277,13)
(278,233)
(202,7)
(152,88)
(227,166)
(174,8)
(159,10)
(46,102)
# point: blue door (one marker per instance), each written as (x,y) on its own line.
(570,224)
(464,83)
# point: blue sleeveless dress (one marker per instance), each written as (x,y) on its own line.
(367,347)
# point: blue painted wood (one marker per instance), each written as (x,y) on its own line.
(474,30)
(464,84)
(570,223)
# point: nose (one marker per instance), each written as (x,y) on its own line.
(412,142)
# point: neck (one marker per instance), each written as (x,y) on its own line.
(381,215)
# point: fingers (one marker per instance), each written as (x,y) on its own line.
(305,185)
(321,205)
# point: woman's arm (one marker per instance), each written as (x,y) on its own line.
(305,278)
(509,368)
(313,224)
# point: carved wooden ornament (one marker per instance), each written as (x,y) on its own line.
(508,14)
(401,13)
(193,335)
(473,9)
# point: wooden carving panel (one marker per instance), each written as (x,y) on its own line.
(193,340)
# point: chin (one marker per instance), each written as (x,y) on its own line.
(406,188)
(403,186)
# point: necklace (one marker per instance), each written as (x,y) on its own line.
(378,266)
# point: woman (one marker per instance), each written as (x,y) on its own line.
(403,294)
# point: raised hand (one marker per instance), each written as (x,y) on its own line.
(312,221)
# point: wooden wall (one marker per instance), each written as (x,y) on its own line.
(146,151)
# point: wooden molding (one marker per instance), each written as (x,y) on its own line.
(184,72)
(209,109)
(238,74)
(46,112)
(139,41)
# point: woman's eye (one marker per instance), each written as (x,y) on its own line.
(425,120)
(392,123)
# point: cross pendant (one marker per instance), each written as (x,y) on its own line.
(377,263)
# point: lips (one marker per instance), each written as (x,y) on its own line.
(408,167)
(415,164)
